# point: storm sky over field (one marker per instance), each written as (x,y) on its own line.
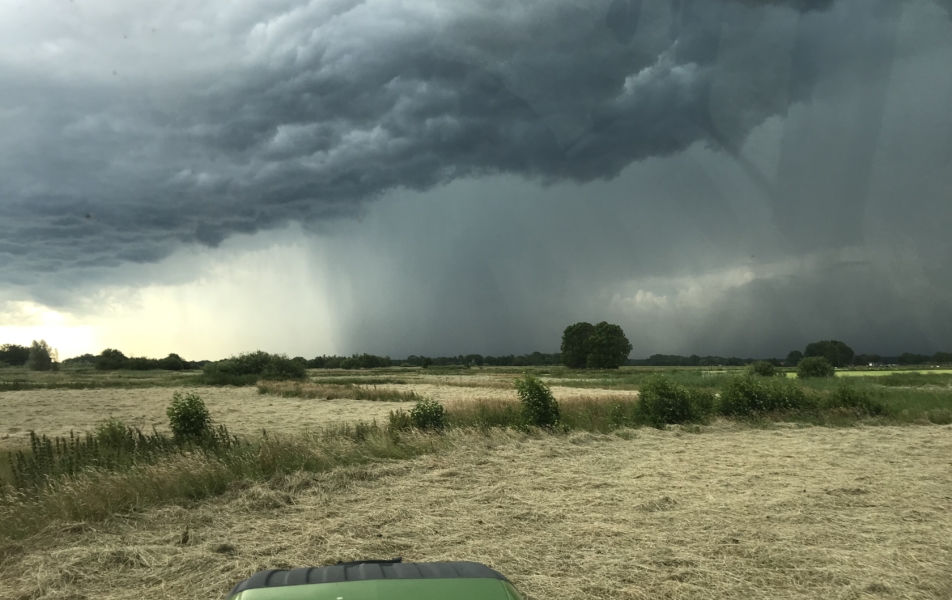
(733,177)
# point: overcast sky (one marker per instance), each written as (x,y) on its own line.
(733,177)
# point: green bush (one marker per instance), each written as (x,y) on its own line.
(845,396)
(428,415)
(188,417)
(746,396)
(539,407)
(664,402)
(815,366)
(112,433)
(247,369)
(763,369)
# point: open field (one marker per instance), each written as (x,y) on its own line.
(726,510)
(242,409)
(728,513)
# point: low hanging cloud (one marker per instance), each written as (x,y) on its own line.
(131,132)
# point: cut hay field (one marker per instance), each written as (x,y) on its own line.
(731,512)
(728,509)
(241,409)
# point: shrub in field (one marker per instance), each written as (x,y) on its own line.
(620,415)
(188,417)
(745,396)
(664,402)
(282,368)
(845,396)
(428,414)
(112,433)
(763,369)
(539,407)
(247,369)
(815,366)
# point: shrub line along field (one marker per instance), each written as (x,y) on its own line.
(763,506)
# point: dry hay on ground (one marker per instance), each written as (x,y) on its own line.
(728,513)
(243,410)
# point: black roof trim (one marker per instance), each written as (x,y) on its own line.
(366,571)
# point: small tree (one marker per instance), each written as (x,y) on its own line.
(539,406)
(794,358)
(188,417)
(815,366)
(575,345)
(42,356)
(608,348)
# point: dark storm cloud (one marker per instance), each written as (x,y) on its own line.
(304,111)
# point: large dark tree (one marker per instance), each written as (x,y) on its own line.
(575,345)
(608,348)
(14,355)
(835,352)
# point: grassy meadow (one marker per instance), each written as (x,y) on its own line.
(839,488)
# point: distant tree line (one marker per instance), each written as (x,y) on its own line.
(111,359)
(583,346)
(478,360)
(675,360)
(840,355)
(370,361)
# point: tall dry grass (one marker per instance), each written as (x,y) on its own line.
(97,494)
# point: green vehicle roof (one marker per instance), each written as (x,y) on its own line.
(379,580)
(389,589)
